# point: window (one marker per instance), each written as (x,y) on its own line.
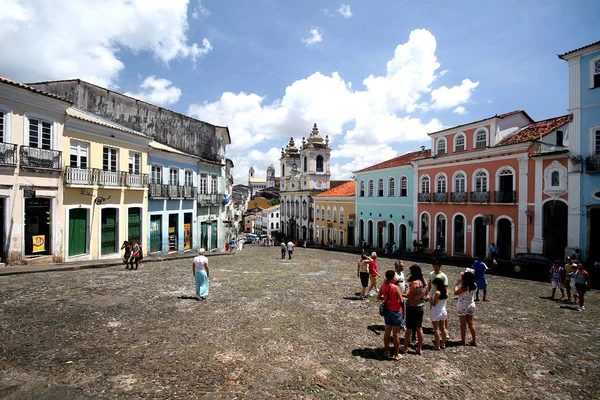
(328,215)
(272,225)
(79,154)
(2,130)
(480,139)
(481,181)
(560,135)
(460,183)
(391,187)
(40,134)
(305,163)
(597,142)
(596,78)
(173,176)
(425,184)
(109,159)
(277,225)
(441,184)
(156,174)
(403,186)
(459,144)
(441,146)
(189,178)
(203,184)
(380,187)
(335,215)
(555,178)
(323,213)
(341,238)
(370,187)
(135,163)
(317,213)
(213,184)
(277,215)
(362,188)
(319,163)
(341,215)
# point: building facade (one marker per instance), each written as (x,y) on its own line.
(335,215)
(267,222)
(584,143)
(385,202)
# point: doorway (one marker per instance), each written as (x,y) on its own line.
(556,220)
(380,227)
(391,239)
(504,239)
(403,238)
(479,237)
(37,226)
(109,231)
(593,252)
(155,233)
(187,231)
(204,234)
(3,234)
(440,232)
(459,234)
(173,232)
(507,194)
(361,231)
(214,235)
(134,225)
(78,228)
(370,234)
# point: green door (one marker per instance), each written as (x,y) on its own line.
(155,233)
(204,235)
(77,231)
(108,239)
(134,225)
(213,234)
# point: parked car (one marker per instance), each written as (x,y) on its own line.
(531,264)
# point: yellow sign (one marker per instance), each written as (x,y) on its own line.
(171,229)
(39,243)
(187,236)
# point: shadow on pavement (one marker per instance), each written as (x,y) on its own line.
(574,308)
(188,298)
(376,329)
(352,298)
(370,353)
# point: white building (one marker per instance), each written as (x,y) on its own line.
(267,221)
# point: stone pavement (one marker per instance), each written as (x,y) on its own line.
(274,328)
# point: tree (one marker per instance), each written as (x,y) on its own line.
(274,202)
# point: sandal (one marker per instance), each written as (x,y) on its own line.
(397,357)
(474,344)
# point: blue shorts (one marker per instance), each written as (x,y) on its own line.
(481,283)
(393,318)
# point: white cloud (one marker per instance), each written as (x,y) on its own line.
(365,125)
(345,11)
(445,98)
(157,91)
(199,11)
(460,110)
(58,39)
(316,36)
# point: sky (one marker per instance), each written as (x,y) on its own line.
(375,75)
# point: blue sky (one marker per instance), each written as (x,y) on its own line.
(376,76)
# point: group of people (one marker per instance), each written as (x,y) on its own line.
(287,248)
(406,299)
(572,277)
(133,254)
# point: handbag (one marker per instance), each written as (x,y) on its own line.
(382,306)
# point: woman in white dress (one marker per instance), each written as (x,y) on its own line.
(438,313)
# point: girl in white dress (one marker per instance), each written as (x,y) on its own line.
(438,313)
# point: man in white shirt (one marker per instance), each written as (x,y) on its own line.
(290,249)
(400,280)
(283,249)
(201,273)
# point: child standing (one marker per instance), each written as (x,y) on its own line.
(465,307)
(557,277)
(438,313)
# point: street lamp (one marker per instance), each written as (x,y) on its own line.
(529,215)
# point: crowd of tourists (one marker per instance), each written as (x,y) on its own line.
(571,277)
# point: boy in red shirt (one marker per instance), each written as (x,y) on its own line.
(374,272)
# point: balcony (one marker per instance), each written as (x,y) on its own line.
(135,180)
(189,192)
(80,176)
(210,199)
(505,197)
(110,178)
(174,191)
(424,197)
(158,191)
(440,197)
(458,197)
(480,197)
(592,164)
(41,160)
(8,155)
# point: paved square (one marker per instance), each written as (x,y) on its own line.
(274,328)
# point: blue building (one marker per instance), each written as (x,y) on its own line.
(584,144)
(386,203)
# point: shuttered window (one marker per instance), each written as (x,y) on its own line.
(79,154)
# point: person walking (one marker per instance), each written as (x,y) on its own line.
(570,269)
(283,249)
(373,274)
(557,276)
(417,296)
(582,283)
(290,249)
(480,269)
(465,307)
(392,295)
(362,272)
(438,274)
(201,273)
(493,251)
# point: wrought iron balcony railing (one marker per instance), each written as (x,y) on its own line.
(458,197)
(440,197)
(158,191)
(592,164)
(505,197)
(480,197)
(190,192)
(41,159)
(175,191)
(210,199)
(136,180)
(8,154)
(424,197)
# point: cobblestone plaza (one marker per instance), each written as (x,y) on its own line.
(274,328)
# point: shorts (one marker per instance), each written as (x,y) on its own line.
(557,285)
(393,318)
(364,279)
(581,288)
(373,279)
(414,317)
(438,315)
(469,310)
(481,283)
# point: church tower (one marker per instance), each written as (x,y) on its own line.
(315,156)
(250,176)
(271,176)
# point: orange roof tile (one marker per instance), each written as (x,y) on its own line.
(401,160)
(347,189)
(537,130)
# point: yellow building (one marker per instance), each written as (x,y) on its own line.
(335,215)
(259,202)
(105,186)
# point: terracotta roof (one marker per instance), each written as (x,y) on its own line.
(485,119)
(573,51)
(32,89)
(347,189)
(402,160)
(537,130)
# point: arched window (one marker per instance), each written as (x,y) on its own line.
(460,183)
(362,188)
(391,187)
(272,225)
(403,186)
(481,181)
(287,208)
(317,213)
(555,178)
(341,215)
(282,170)
(334,214)
(380,187)
(480,139)
(425,184)
(425,230)
(370,187)
(277,216)
(277,225)
(328,215)
(441,184)
(297,209)
(305,163)
(319,163)
(323,213)
(441,146)
(459,142)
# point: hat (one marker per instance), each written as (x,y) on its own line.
(202,251)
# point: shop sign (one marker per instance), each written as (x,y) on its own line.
(39,243)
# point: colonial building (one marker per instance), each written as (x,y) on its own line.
(385,202)
(258,185)
(267,222)
(304,173)
(584,145)
(335,215)
(31,163)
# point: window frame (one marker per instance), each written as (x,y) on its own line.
(342,215)
(476,141)
(322,159)
(214,184)
(441,141)
(391,186)
(403,180)
(153,175)
(203,187)
(380,187)
(455,178)
(593,73)
(78,154)
(6,124)
(40,121)
(462,136)
(371,188)
(476,176)
(425,178)
(173,173)
(188,178)
(441,181)
(116,158)
(133,155)
(362,188)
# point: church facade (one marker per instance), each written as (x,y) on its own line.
(304,173)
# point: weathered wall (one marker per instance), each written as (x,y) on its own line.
(165,126)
